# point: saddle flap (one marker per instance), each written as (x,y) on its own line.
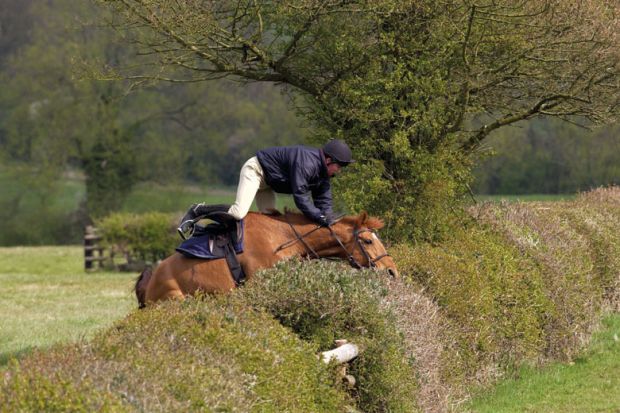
(207,242)
(217,241)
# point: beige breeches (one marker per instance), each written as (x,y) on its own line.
(252,185)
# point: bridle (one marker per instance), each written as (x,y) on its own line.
(372,262)
(359,241)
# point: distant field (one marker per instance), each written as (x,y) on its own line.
(69,192)
(47,298)
(171,198)
(525,198)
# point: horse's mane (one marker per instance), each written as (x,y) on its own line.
(364,220)
(361,220)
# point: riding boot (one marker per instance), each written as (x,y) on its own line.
(218,213)
(186,227)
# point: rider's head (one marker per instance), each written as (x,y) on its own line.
(338,155)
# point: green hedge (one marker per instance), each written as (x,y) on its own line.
(147,237)
(521,283)
(323,301)
(214,355)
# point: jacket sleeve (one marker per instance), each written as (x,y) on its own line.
(322,197)
(301,190)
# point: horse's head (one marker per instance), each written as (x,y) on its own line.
(362,243)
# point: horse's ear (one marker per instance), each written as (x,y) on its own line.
(374,223)
(361,219)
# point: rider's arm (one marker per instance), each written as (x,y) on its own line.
(299,176)
(303,200)
(322,196)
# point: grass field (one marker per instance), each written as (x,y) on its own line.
(590,384)
(47,298)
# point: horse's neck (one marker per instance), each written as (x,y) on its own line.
(280,233)
(322,241)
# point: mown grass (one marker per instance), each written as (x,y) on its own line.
(47,298)
(525,197)
(589,384)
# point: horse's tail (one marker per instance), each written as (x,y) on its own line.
(140,288)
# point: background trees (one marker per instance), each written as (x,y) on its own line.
(415,87)
(55,115)
(547,156)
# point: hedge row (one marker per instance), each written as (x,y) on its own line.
(145,237)
(216,355)
(520,283)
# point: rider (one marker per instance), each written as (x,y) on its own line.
(301,171)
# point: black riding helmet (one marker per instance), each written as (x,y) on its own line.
(339,151)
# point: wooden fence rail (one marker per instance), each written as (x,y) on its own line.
(93,251)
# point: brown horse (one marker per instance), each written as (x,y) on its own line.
(268,239)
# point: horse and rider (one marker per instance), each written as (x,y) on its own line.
(299,170)
(269,237)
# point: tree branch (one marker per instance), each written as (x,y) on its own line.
(544,104)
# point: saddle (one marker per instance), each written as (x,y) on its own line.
(221,239)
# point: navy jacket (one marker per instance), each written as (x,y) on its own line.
(301,171)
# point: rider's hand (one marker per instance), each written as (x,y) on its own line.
(323,221)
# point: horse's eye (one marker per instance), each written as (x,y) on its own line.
(368,240)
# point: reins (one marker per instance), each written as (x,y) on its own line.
(372,262)
(350,257)
(298,238)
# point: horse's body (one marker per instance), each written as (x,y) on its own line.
(266,242)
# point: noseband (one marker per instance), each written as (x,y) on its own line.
(359,241)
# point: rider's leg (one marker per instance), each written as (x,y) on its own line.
(266,200)
(251,179)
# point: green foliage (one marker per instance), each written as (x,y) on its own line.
(422,206)
(58,114)
(199,355)
(523,283)
(325,301)
(37,209)
(395,115)
(110,176)
(36,390)
(565,256)
(404,82)
(596,218)
(149,237)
